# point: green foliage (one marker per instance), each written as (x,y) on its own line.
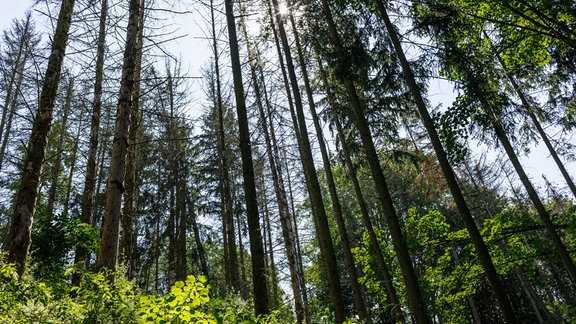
(108,297)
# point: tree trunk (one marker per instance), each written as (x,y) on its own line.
(90,180)
(58,161)
(20,235)
(479,244)
(260,287)
(417,304)
(72,170)
(278,182)
(347,246)
(108,253)
(131,185)
(324,238)
(396,310)
(530,111)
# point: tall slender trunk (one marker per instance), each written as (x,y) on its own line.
(231,257)
(74,160)
(532,194)
(483,254)
(58,161)
(396,310)
(347,246)
(131,182)
(260,287)
(181,256)
(414,294)
(109,244)
(530,111)
(278,182)
(275,297)
(330,265)
(196,231)
(20,235)
(90,180)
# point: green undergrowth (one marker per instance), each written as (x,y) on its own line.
(100,300)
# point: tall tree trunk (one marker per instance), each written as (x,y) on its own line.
(414,294)
(20,235)
(131,185)
(231,257)
(330,265)
(483,254)
(181,255)
(74,160)
(396,310)
(90,179)
(278,182)
(58,161)
(530,111)
(347,246)
(261,298)
(532,194)
(13,88)
(109,244)
(196,230)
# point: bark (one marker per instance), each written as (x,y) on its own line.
(347,246)
(196,230)
(463,209)
(131,193)
(278,182)
(396,308)
(19,237)
(324,238)
(414,294)
(58,161)
(109,244)
(90,179)
(261,298)
(182,269)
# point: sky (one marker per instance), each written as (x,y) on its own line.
(194,51)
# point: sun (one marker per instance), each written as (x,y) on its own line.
(283,9)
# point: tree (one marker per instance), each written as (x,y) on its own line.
(108,253)
(19,237)
(261,298)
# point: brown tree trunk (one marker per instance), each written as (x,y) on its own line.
(396,311)
(324,238)
(196,230)
(90,179)
(72,170)
(20,235)
(58,161)
(131,185)
(260,287)
(479,244)
(347,246)
(414,294)
(109,244)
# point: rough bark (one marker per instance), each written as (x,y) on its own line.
(62,136)
(20,235)
(483,254)
(396,308)
(109,244)
(131,185)
(90,179)
(261,297)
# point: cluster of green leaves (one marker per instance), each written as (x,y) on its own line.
(107,297)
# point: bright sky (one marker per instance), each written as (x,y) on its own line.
(194,52)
